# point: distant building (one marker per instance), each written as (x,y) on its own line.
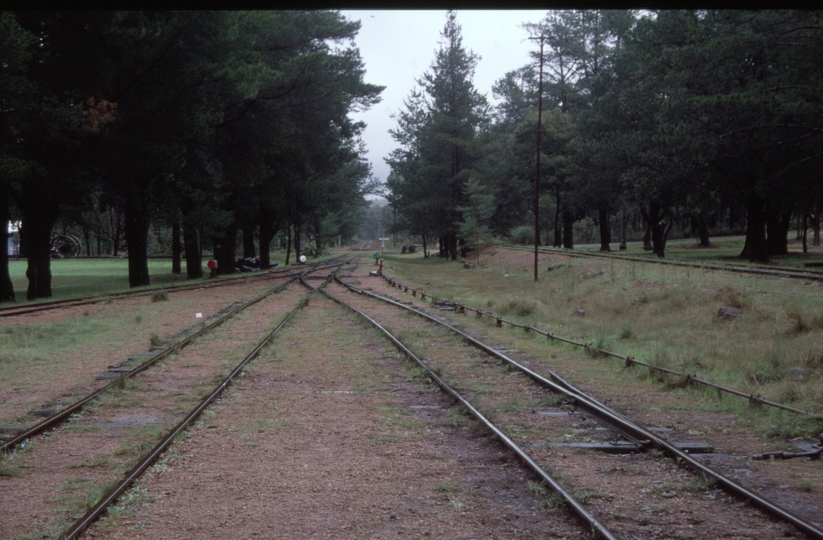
(13,242)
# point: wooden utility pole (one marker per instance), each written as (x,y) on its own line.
(537,174)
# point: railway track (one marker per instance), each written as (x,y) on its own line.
(623,435)
(344,401)
(132,408)
(812,275)
(134,365)
(9,311)
(548,424)
(686,378)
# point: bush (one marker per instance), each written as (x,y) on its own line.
(522,235)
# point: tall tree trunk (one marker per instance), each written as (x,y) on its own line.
(755,248)
(288,244)
(194,259)
(452,238)
(425,249)
(703,228)
(816,227)
(225,255)
(6,286)
(318,241)
(176,248)
(605,228)
(558,239)
(248,242)
(137,238)
(647,235)
(38,269)
(623,245)
(660,234)
(777,230)
(38,219)
(805,229)
(297,240)
(568,230)
(655,228)
(267,232)
(87,238)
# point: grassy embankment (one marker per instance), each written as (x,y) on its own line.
(665,315)
(723,251)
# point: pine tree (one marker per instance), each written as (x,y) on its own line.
(442,136)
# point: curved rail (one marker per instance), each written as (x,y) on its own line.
(64,414)
(11,311)
(598,409)
(589,520)
(686,378)
(59,417)
(803,274)
(97,510)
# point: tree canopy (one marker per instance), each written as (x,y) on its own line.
(700,116)
(216,121)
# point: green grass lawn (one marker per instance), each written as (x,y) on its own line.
(80,277)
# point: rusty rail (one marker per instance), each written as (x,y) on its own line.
(598,409)
(97,510)
(686,378)
(11,311)
(599,530)
(63,415)
(802,274)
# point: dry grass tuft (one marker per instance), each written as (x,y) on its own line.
(518,306)
(731,297)
(800,323)
(664,316)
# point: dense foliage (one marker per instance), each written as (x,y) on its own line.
(219,125)
(211,122)
(712,118)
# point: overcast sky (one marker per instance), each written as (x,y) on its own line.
(397,47)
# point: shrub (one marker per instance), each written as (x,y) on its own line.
(522,235)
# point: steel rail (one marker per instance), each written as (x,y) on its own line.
(11,311)
(598,529)
(61,416)
(610,415)
(64,414)
(803,274)
(687,378)
(97,510)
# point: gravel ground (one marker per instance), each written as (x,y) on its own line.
(71,372)
(332,437)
